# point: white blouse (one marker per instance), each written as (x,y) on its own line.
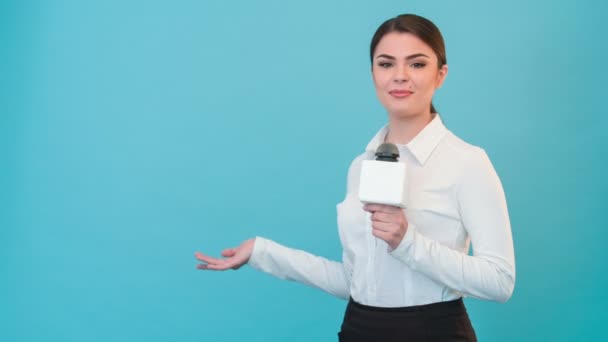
(455,198)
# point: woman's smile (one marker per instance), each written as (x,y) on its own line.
(400,93)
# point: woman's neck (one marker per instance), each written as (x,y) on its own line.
(403,130)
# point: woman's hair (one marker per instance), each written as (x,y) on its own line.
(420,27)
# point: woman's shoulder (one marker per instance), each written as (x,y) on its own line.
(469,161)
(461,150)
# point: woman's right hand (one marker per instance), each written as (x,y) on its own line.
(234,258)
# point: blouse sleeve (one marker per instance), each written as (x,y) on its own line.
(297,265)
(490,272)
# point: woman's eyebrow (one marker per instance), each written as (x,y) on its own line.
(416,55)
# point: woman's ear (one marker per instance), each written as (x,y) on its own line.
(441,75)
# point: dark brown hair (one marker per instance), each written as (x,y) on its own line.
(420,27)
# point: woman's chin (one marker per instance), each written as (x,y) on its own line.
(404,113)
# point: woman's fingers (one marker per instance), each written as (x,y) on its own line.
(225,265)
(381,234)
(202,257)
(209,260)
(381,207)
(383,226)
(216,264)
(388,222)
(233,258)
(212,267)
(229,252)
(382,217)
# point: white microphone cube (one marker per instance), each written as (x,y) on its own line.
(383,182)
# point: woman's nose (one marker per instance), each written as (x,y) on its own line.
(401,74)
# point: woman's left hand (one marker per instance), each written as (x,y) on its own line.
(388,223)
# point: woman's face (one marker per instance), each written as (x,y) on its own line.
(406,74)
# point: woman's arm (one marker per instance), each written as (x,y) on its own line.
(490,272)
(297,265)
(285,263)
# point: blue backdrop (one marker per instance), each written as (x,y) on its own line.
(133,133)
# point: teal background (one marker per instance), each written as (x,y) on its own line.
(133,133)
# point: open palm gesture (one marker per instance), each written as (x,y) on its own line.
(234,258)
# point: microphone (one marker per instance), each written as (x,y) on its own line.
(384,180)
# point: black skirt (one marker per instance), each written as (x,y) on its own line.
(443,321)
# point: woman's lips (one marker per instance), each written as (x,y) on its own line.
(400,93)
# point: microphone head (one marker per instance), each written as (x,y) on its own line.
(387,152)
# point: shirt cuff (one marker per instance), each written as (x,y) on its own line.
(405,250)
(260,247)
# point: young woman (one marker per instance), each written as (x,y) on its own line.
(405,271)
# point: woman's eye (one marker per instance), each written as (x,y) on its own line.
(418,65)
(384,64)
